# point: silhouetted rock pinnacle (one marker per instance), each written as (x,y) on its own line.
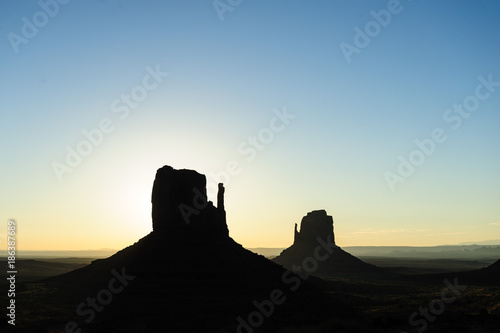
(315,224)
(180,205)
(187,275)
(314,250)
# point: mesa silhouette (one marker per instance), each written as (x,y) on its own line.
(187,275)
(314,251)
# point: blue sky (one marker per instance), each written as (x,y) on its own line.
(350,119)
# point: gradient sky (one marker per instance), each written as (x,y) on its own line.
(353,117)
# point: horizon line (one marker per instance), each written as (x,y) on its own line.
(483,243)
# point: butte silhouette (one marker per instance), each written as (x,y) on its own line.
(187,275)
(316,232)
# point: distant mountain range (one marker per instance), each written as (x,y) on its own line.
(94,254)
(431,252)
(476,251)
(488,242)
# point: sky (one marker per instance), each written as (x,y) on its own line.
(384,113)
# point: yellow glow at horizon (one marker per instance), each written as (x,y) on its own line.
(109,206)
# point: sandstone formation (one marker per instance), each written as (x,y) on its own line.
(188,274)
(180,207)
(314,251)
(315,224)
